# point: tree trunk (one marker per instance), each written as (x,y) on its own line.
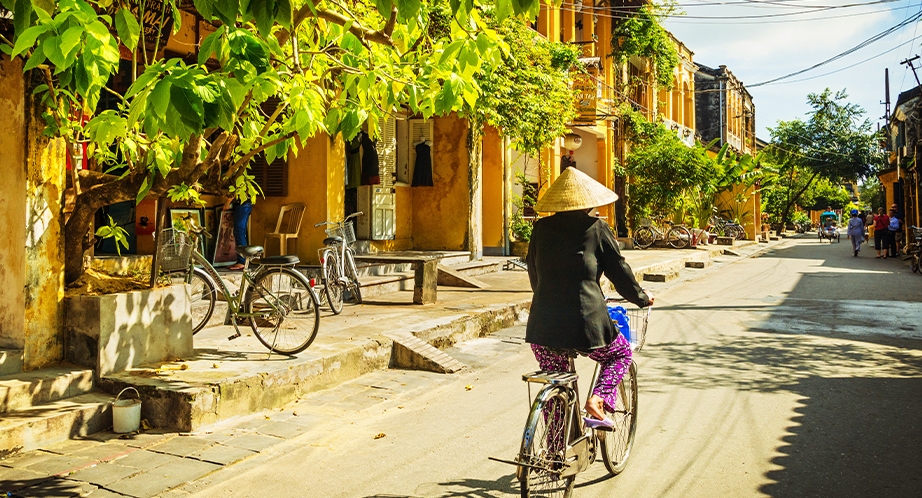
(785,213)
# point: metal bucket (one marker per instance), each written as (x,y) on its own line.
(126,413)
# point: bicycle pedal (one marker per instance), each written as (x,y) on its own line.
(235,336)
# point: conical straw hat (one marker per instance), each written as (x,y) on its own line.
(574,190)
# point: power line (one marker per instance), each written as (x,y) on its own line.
(877,37)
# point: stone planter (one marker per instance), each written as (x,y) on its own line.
(519,248)
(116,332)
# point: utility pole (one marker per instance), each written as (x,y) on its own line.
(909,62)
(886,101)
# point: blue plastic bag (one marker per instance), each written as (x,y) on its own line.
(619,316)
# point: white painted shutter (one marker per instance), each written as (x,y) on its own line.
(387,150)
(420,129)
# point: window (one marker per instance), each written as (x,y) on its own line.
(272,177)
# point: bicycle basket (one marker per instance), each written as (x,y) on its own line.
(175,249)
(346,232)
(630,320)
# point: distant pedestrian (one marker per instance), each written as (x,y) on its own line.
(856,231)
(894,227)
(881,233)
(869,223)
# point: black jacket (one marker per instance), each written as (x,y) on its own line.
(567,256)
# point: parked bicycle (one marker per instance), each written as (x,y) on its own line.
(337,263)
(274,297)
(557,444)
(676,236)
(726,228)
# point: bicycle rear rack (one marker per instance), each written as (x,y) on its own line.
(554,378)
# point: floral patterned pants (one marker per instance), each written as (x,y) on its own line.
(614,361)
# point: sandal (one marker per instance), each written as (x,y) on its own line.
(235,267)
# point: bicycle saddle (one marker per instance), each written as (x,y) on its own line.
(332,240)
(249,251)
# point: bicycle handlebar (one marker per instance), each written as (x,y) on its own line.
(347,218)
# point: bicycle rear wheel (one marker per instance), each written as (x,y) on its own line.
(355,288)
(332,286)
(291,328)
(678,237)
(644,237)
(544,446)
(203,293)
(616,444)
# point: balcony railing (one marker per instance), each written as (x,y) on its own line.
(685,134)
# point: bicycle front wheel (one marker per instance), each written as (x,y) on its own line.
(544,447)
(616,444)
(203,293)
(332,286)
(644,237)
(288,311)
(355,288)
(678,237)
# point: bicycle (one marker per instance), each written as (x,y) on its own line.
(677,236)
(556,444)
(726,228)
(278,301)
(914,249)
(337,263)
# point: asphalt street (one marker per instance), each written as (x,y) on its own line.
(797,373)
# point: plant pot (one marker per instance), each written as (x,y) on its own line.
(519,248)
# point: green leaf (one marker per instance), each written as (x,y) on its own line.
(22,15)
(28,37)
(129,31)
(33,62)
(51,46)
(207,47)
(204,8)
(71,39)
(160,98)
(451,51)
(145,188)
(502,9)
(190,108)
(408,8)
(384,7)
(227,11)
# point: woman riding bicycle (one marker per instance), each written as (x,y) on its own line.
(567,256)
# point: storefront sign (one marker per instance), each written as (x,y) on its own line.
(586,89)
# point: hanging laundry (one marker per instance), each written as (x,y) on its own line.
(354,162)
(370,167)
(422,170)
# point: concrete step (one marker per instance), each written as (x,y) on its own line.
(28,389)
(50,423)
(10,361)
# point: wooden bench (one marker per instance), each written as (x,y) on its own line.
(426,268)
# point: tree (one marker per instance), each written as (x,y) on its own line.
(835,144)
(186,128)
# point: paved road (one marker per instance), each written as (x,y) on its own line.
(798,373)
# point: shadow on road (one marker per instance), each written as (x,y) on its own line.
(858,429)
(852,437)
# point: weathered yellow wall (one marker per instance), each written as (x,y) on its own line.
(12,205)
(887,180)
(440,212)
(315,177)
(492,188)
(44,256)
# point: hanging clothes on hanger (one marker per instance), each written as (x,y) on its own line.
(354,162)
(422,169)
(371,174)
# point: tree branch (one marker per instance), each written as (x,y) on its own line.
(361,32)
(243,161)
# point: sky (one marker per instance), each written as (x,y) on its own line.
(760,40)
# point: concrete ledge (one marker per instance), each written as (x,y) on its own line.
(115,332)
(660,277)
(29,389)
(54,422)
(10,361)
(204,395)
(697,264)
